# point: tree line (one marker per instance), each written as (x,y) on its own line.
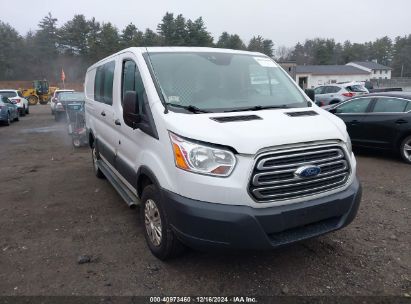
(79,42)
(393,53)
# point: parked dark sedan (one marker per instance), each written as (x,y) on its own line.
(63,100)
(8,111)
(379,121)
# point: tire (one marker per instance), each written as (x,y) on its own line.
(17,118)
(159,236)
(27,110)
(405,149)
(23,111)
(7,121)
(33,100)
(58,116)
(76,142)
(94,157)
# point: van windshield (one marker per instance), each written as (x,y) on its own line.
(218,82)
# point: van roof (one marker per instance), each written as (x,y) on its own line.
(171,49)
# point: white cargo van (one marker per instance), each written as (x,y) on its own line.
(219,147)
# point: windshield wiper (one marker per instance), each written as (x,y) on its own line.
(258,108)
(190,108)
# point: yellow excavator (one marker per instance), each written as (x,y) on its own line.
(39,92)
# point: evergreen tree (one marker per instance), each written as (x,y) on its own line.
(109,39)
(166,29)
(150,38)
(131,36)
(268,47)
(180,36)
(259,44)
(197,34)
(93,41)
(73,36)
(10,52)
(228,41)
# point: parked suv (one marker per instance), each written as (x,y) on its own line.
(220,148)
(16,97)
(333,94)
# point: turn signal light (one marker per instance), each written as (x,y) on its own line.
(179,157)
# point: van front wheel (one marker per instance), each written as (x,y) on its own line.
(157,231)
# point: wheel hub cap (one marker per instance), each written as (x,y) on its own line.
(407,149)
(153,222)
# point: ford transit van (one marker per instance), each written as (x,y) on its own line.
(220,148)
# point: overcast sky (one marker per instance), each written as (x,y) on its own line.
(284,21)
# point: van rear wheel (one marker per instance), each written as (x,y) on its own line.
(157,231)
(95,156)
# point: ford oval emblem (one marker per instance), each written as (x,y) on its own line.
(307,171)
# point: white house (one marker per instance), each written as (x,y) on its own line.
(376,70)
(311,76)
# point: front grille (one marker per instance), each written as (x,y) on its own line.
(274,177)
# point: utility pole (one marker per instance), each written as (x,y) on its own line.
(402,70)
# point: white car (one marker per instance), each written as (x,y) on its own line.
(53,100)
(214,158)
(17,98)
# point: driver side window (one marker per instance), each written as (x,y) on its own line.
(131,80)
(359,105)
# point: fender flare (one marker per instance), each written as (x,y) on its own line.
(144,170)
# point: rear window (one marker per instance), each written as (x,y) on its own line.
(60,92)
(9,94)
(71,96)
(356,88)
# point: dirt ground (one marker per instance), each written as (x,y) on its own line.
(53,209)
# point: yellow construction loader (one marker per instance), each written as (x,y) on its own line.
(39,92)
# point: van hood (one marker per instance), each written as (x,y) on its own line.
(274,128)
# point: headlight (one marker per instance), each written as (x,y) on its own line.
(198,158)
(349,145)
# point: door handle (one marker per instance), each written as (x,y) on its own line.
(401,121)
(117,122)
(103,113)
(354,122)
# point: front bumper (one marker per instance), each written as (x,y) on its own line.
(204,225)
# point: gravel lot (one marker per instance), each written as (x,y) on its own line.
(53,210)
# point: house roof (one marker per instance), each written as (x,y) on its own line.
(372,65)
(330,70)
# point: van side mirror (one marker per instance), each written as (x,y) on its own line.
(131,109)
(333,110)
(310,93)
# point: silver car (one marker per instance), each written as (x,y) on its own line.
(334,93)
